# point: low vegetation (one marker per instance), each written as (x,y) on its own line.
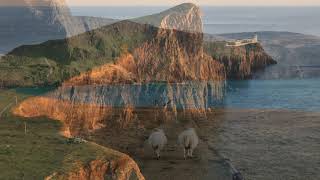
(53,61)
(41,151)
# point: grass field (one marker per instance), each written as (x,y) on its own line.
(42,150)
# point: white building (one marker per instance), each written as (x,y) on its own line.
(243,42)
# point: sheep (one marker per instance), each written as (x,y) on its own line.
(157,140)
(189,140)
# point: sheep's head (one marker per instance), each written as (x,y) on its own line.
(158,130)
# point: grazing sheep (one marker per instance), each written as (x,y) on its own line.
(157,140)
(189,140)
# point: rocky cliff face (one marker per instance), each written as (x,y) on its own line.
(169,56)
(240,62)
(297,54)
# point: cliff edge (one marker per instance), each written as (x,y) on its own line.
(110,164)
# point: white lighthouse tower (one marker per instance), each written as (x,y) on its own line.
(255,38)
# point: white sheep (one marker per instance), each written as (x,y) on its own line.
(157,140)
(189,140)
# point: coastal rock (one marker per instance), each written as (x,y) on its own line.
(240,62)
(116,166)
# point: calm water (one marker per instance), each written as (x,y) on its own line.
(303,95)
(274,94)
(220,20)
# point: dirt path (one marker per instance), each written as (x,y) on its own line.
(205,165)
(51,71)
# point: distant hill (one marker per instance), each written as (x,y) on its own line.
(31,22)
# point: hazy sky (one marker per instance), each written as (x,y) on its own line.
(201,2)
(172,2)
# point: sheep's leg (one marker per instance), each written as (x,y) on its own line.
(184,153)
(156,151)
(191,152)
(158,154)
(187,153)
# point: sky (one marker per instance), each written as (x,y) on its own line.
(200,2)
(170,2)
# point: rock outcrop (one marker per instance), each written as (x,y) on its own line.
(296,54)
(240,62)
(114,165)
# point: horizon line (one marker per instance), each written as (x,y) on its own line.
(201,5)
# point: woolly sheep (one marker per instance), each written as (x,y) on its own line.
(189,140)
(157,140)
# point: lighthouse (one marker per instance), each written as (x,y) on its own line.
(255,38)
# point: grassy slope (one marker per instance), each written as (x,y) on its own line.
(42,151)
(51,62)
